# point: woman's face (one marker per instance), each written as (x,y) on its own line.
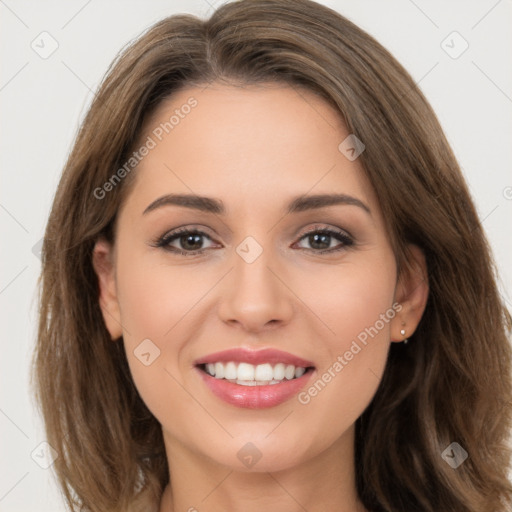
(317,283)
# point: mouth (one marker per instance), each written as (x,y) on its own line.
(245,374)
(254,379)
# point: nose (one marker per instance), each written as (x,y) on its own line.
(255,296)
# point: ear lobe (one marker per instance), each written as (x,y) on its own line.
(412,293)
(102,261)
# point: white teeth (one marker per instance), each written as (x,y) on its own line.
(289,371)
(245,371)
(263,372)
(279,371)
(219,371)
(246,382)
(247,374)
(230,371)
(299,372)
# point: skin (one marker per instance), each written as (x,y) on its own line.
(255,148)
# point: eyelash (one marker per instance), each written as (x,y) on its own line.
(164,241)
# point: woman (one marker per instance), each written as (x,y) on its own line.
(265,285)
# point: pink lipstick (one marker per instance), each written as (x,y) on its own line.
(254,379)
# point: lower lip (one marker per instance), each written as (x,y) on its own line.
(255,397)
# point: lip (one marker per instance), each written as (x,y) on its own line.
(261,356)
(254,397)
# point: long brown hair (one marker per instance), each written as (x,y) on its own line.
(451,383)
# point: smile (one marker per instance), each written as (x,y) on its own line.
(254,379)
(246,374)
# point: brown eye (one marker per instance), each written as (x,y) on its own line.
(320,240)
(185,242)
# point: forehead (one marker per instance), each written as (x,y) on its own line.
(252,143)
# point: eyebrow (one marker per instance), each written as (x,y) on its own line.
(298,204)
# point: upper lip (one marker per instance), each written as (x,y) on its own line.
(255,357)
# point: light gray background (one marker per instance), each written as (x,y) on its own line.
(43,100)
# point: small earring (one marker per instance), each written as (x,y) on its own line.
(402,332)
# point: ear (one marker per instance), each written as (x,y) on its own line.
(412,294)
(103,263)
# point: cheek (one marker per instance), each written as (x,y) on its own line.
(154,298)
(158,318)
(352,299)
(356,303)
